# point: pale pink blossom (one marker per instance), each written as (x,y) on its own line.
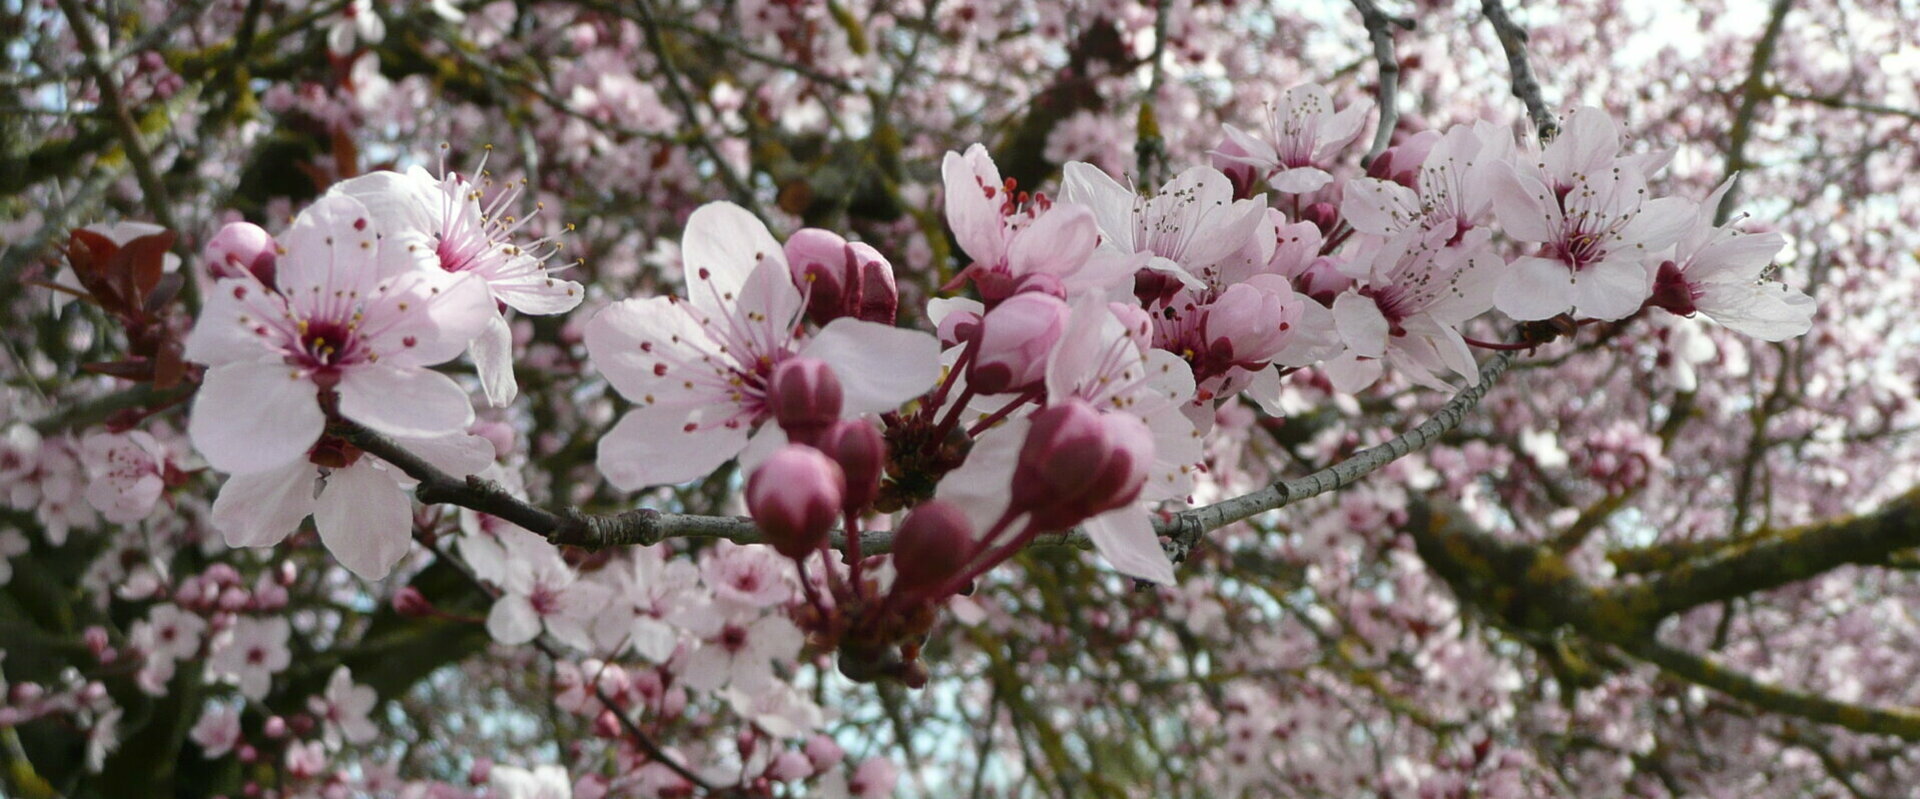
(1304,135)
(250,653)
(356,22)
(347,320)
(1188,227)
(1413,290)
(1719,272)
(739,649)
(126,474)
(542,782)
(450,224)
(217,731)
(361,509)
(648,592)
(1597,228)
(697,369)
(1021,242)
(343,709)
(538,590)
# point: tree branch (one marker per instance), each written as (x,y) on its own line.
(1752,91)
(1765,562)
(1513,39)
(1379,30)
(154,193)
(1897,721)
(742,193)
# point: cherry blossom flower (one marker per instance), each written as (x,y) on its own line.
(1412,293)
(217,731)
(542,782)
(250,653)
(343,709)
(1453,184)
(103,738)
(1189,226)
(171,633)
(445,225)
(126,474)
(1598,229)
(346,321)
(738,648)
(356,21)
(648,593)
(698,369)
(306,760)
(538,590)
(750,576)
(1021,242)
(1303,136)
(13,543)
(1719,272)
(358,502)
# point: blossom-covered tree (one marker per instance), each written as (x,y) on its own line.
(572,398)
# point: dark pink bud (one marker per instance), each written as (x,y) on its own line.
(862,454)
(242,248)
(481,771)
(1015,339)
(795,496)
(607,725)
(879,296)
(1154,287)
(806,398)
(1245,326)
(1078,462)
(409,602)
(95,637)
(302,725)
(1401,162)
(930,546)
(1323,216)
(1245,183)
(276,727)
(818,260)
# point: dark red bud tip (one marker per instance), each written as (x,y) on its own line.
(930,546)
(409,602)
(806,398)
(795,496)
(1323,216)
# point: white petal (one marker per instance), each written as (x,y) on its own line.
(645,346)
(493,358)
(981,487)
(647,448)
(973,199)
(1534,288)
(250,417)
(365,520)
(1361,324)
(1110,202)
(1350,373)
(1611,289)
(263,508)
(512,620)
(1526,209)
(1377,206)
(721,247)
(1766,311)
(404,402)
(1299,180)
(879,366)
(1125,538)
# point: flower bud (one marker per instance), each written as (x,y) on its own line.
(795,496)
(841,278)
(862,454)
(930,546)
(817,259)
(409,602)
(959,327)
(1323,216)
(879,295)
(1015,339)
(1246,326)
(1225,159)
(1078,463)
(1401,162)
(240,249)
(806,398)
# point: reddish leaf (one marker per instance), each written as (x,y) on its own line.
(145,261)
